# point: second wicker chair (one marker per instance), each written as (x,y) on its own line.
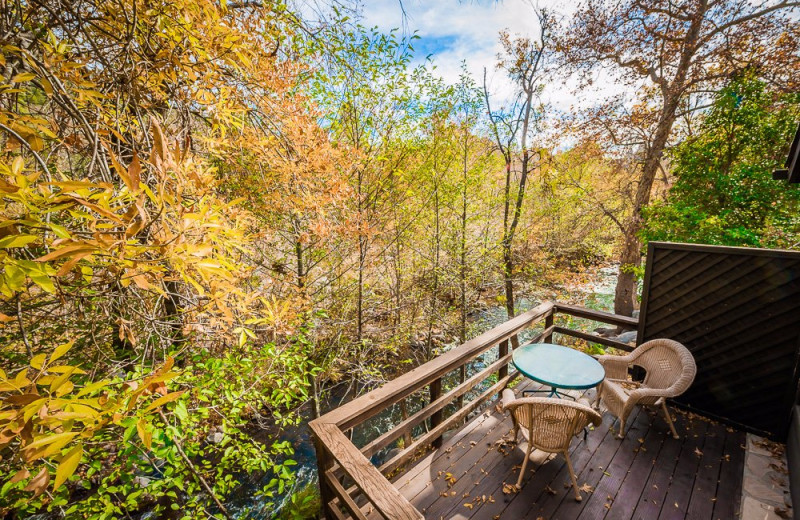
(669,372)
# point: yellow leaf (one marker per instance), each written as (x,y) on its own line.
(38,360)
(65,389)
(61,350)
(47,446)
(60,380)
(49,439)
(85,411)
(17,241)
(144,434)
(66,251)
(92,388)
(161,401)
(17,165)
(68,465)
(21,379)
(23,77)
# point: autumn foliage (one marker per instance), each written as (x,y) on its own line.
(216,214)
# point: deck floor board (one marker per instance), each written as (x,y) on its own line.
(642,476)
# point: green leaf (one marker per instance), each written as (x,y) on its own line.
(17,241)
(44,282)
(15,277)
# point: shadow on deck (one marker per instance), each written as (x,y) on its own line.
(646,475)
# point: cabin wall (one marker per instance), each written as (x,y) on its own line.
(738,311)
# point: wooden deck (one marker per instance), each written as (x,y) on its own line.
(648,475)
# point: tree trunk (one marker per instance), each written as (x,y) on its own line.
(508,269)
(361,258)
(435,270)
(626,280)
(671,92)
(463,249)
(630,254)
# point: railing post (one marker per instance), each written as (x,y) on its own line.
(548,322)
(324,463)
(462,376)
(503,351)
(436,419)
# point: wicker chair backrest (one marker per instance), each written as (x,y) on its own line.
(550,424)
(668,365)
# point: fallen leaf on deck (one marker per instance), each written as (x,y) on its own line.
(779,469)
(468,505)
(586,488)
(676,504)
(698,452)
(550,490)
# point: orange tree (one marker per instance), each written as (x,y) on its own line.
(139,343)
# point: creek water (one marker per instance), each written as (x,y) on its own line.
(598,293)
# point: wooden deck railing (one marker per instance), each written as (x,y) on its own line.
(347,477)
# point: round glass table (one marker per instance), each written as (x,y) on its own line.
(557,366)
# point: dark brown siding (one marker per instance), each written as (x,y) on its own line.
(738,311)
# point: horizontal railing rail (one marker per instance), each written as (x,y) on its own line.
(347,478)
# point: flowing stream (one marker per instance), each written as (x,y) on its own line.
(597,294)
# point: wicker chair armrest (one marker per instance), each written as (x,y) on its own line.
(508,399)
(649,392)
(616,367)
(593,416)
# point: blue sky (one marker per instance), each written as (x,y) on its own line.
(454,31)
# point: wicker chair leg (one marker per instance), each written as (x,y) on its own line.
(578,496)
(621,433)
(524,464)
(597,396)
(668,417)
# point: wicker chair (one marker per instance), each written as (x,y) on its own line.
(549,425)
(670,371)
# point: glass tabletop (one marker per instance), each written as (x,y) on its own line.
(558,366)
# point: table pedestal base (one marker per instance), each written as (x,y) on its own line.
(553,392)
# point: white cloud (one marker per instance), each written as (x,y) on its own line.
(457,31)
